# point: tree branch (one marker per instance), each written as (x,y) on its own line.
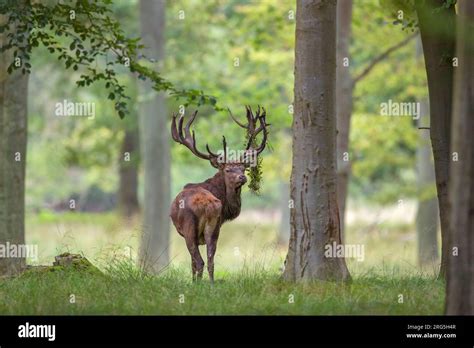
(381,57)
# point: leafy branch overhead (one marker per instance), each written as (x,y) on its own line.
(84,35)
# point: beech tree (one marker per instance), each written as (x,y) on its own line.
(13,131)
(155,149)
(427,215)
(437,28)
(128,172)
(344,105)
(460,275)
(315,216)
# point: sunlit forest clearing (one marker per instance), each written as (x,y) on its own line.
(388,235)
(247,281)
(249,259)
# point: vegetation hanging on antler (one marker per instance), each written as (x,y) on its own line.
(255,174)
(255,170)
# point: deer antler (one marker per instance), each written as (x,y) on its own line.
(252,129)
(188,139)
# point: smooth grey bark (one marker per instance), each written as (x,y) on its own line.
(128,174)
(155,149)
(344,104)
(460,275)
(427,215)
(284,228)
(315,216)
(13,138)
(437,29)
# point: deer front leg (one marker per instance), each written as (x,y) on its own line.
(197,262)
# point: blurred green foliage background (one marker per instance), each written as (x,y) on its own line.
(242,53)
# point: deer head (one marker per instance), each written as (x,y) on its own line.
(233,167)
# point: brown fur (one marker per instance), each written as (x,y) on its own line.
(200,209)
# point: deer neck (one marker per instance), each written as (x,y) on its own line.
(232,203)
(229,197)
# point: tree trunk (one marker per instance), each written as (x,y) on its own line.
(315,217)
(437,34)
(13,137)
(427,215)
(460,275)
(284,230)
(155,148)
(128,174)
(344,88)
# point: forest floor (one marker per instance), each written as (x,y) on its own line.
(244,293)
(248,267)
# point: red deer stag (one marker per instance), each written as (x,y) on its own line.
(199,210)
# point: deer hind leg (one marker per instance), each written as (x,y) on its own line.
(207,210)
(211,234)
(189,230)
(197,263)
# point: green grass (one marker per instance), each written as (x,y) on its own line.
(247,292)
(248,267)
